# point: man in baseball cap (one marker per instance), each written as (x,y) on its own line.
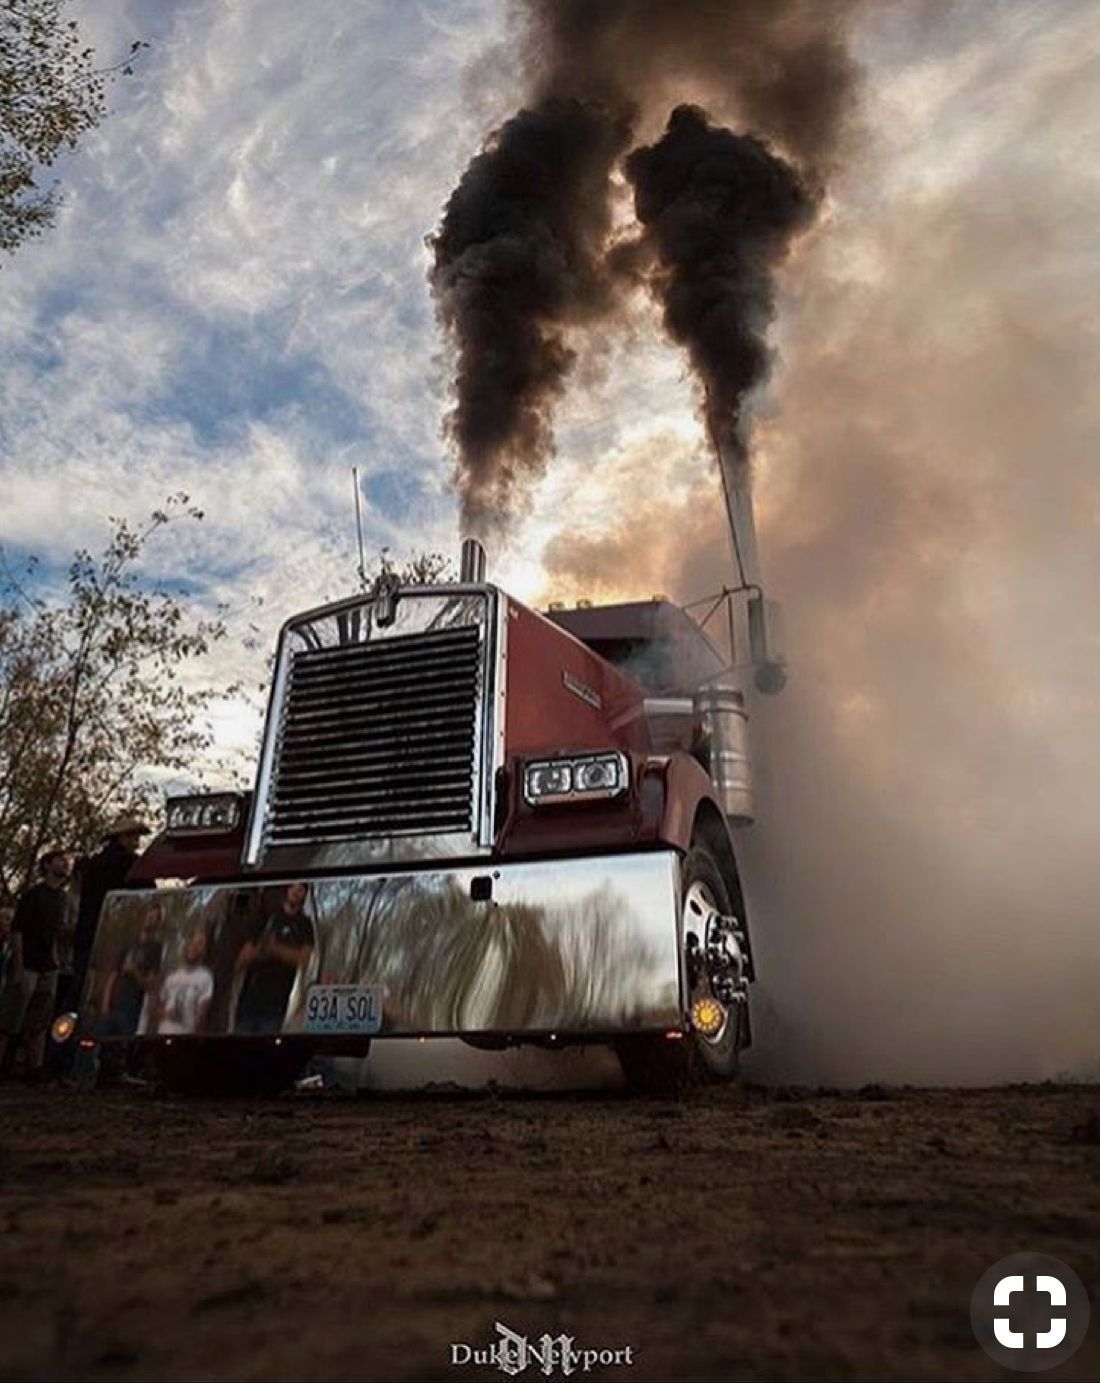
(106,870)
(126,828)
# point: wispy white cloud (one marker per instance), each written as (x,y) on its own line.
(234,299)
(243,240)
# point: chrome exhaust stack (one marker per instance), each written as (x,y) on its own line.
(472,566)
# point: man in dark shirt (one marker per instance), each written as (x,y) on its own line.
(27,1001)
(136,980)
(271,964)
(104,871)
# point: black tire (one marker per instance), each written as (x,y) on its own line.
(654,1064)
(227,1068)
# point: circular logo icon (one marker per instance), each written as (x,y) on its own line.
(1030,1312)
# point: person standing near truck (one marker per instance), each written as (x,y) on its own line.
(104,871)
(30,988)
(271,964)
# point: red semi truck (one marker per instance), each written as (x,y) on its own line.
(469,820)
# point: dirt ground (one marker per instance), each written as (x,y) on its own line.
(740,1234)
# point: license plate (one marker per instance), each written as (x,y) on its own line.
(344,1008)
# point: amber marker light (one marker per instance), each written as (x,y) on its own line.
(707,1016)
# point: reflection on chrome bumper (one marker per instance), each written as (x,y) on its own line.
(573,947)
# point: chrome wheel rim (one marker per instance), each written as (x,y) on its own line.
(699,914)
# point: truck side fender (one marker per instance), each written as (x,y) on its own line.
(674,789)
(689,813)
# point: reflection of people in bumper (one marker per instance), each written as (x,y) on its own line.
(185,994)
(134,985)
(271,964)
(233,929)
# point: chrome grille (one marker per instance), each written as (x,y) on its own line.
(378,739)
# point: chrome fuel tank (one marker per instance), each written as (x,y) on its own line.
(725,727)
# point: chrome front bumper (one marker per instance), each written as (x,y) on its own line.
(576,948)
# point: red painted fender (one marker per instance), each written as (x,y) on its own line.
(685,785)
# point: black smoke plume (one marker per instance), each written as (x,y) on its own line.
(718,211)
(517,261)
(779,67)
(520,258)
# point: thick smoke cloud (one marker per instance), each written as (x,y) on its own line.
(923,875)
(719,211)
(516,263)
(781,69)
(521,258)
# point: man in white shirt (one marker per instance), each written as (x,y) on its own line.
(186,992)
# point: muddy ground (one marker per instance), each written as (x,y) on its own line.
(742,1234)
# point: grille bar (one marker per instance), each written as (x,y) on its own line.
(336,735)
(392,674)
(347,691)
(377,739)
(382,653)
(351,790)
(424,705)
(341,771)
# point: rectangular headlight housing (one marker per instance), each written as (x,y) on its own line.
(579,778)
(210,814)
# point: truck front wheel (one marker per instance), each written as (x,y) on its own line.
(227,1067)
(659,1065)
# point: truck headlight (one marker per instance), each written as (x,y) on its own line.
(211,814)
(583,777)
(548,782)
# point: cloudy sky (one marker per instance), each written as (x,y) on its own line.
(234,302)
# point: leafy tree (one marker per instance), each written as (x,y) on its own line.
(50,96)
(94,696)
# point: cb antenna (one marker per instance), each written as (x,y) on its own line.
(359,528)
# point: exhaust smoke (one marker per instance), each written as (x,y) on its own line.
(523,257)
(923,872)
(923,876)
(718,211)
(516,263)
